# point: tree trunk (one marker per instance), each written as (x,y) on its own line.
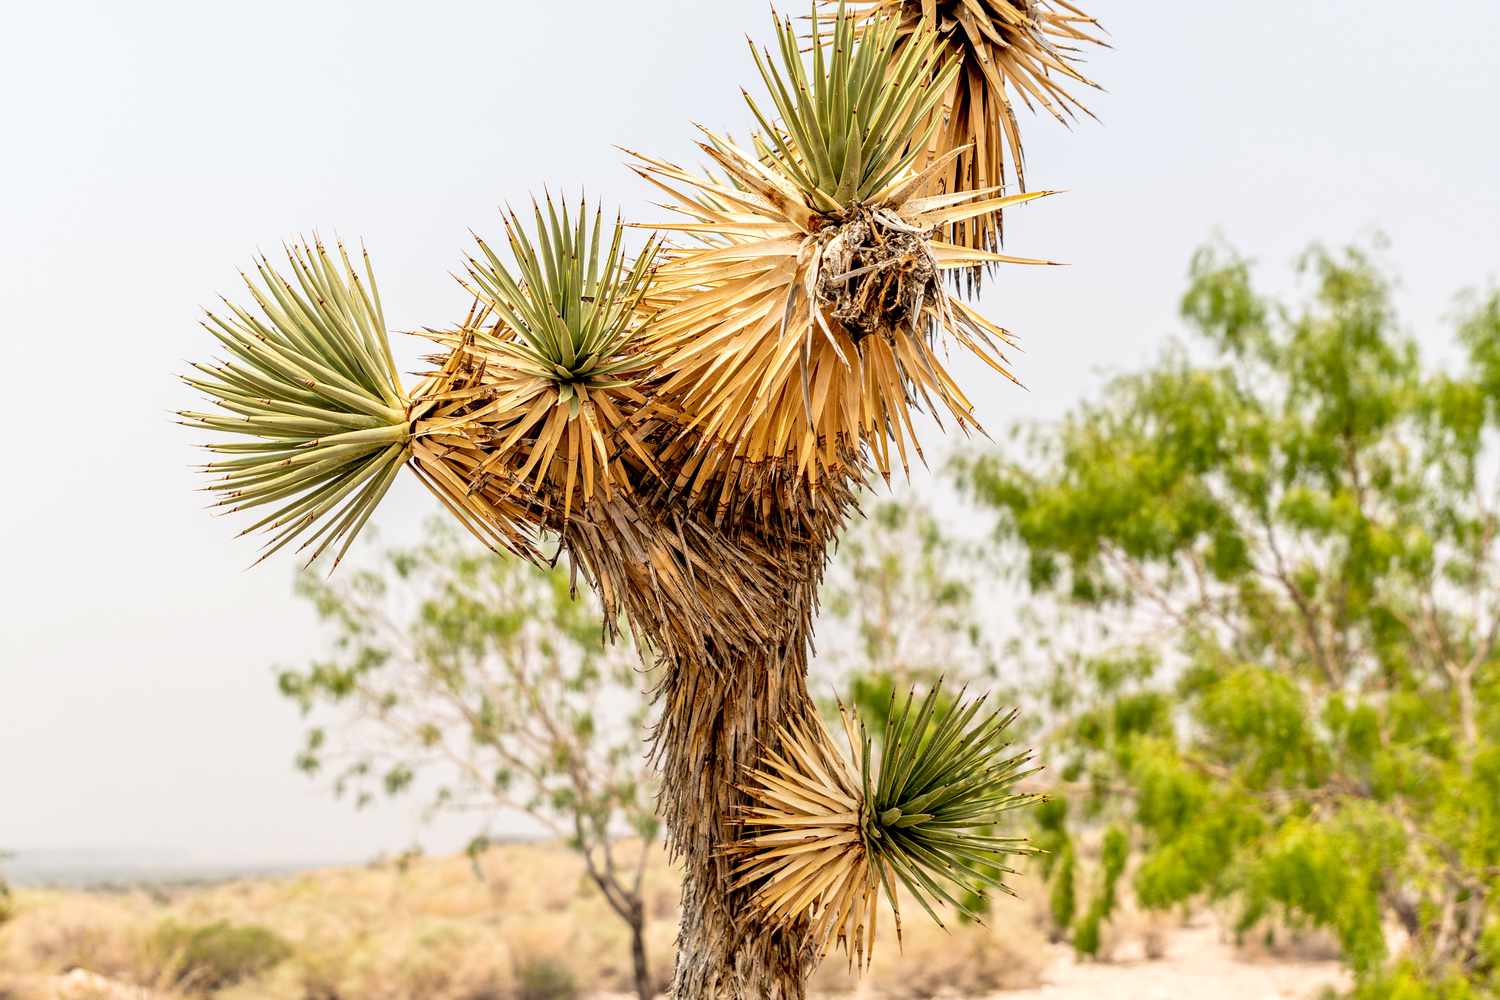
(727,605)
(644,988)
(716,723)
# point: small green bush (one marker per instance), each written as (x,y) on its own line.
(545,979)
(7,901)
(207,957)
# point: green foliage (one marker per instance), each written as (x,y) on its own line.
(486,685)
(543,978)
(311,393)
(1086,936)
(573,315)
(947,777)
(1278,548)
(902,609)
(851,125)
(7,901)
(207,957)
(1062,903)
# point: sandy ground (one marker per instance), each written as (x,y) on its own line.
(1198,965)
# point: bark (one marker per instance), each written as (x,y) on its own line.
(715,725)
(727,604)
(627,903)
(644,989)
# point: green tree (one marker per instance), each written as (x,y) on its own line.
(7,901)
(900,606)
(1279,546)
(484,681)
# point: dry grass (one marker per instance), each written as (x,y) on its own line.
(437,930)
(969,961)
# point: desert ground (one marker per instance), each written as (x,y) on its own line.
(522,923)
(1197,962)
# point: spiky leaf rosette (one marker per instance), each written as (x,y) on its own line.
(828,833)
(310,391)
(1010,50)
(537,394)
(800,328)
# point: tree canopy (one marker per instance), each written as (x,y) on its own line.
(485,683)
(1282,693)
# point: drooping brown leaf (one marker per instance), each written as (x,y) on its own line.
(1025,52)
(800,328)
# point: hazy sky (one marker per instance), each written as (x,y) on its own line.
(148,149)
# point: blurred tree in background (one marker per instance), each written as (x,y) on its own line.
(7,902)
(488,682)
(1282,691)
(900,608)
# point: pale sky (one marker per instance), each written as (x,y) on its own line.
(148,149)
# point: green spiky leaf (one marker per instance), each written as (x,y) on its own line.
(945,780)
(827,833)
(311,392)
(859,115)
(571,300)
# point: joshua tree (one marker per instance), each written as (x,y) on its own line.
(689,429)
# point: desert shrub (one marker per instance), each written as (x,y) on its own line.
(973,962)
(413,957)
(207,957)
(7,903)
(1154,941)
(489,992)
(100,935)
(1283,941)
(544,978)
(321,972)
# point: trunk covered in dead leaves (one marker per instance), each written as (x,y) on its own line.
(713,725)
(726,600)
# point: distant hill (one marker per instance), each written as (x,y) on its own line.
(102,868)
